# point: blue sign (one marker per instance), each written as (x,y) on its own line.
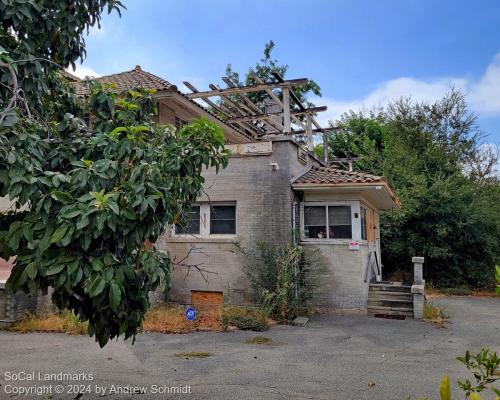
(191,314)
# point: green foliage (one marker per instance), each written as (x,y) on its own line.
(482,366)
(244,318)
(450,217)
(262,72)
(283,277)
(87,201)
(497,275)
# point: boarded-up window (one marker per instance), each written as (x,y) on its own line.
(206,299)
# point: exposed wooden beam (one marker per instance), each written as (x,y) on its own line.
(241,109)
(247,89)
(249,129)
(279,102)
(258,117)
(316,130)
(273,124)
(294,97)
(286,110)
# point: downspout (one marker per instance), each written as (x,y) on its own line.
(294,241)
(294,224)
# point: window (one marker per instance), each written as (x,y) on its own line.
(191,223)
(339,222)
(327,222)
(223,219)
(179,123)
(206,219)
(315,222)
(363,224)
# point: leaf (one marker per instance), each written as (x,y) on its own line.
(54,269)
(115,296)
(444,388)
(31,270)
(58,233)
(62,196)
(96,286)
(69,212)
(96,264)
(114,207)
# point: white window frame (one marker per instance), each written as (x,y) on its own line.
(205,222)
(355,222)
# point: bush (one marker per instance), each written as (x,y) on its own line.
(247,319)
(283,277)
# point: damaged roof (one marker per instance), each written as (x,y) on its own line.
(125,80)
(332,176)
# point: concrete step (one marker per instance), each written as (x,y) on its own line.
(380,310)
(390,303)
(387,287)
(382,295)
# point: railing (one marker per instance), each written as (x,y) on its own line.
(372,270)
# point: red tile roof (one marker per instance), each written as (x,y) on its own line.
(332,176)
(125,81)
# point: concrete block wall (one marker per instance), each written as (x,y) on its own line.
(342,285)
(14,306)
(264,202)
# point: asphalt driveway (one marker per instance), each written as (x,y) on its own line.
(334,357)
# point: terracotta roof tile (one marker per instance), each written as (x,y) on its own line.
(126,80)
(332,176)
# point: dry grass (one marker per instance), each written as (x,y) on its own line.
(259,340)
(168,318)
(171,319)
(194,354)
(435,315)
(64,322)
(459,291)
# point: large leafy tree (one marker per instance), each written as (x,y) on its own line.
(430,153)
(86,203)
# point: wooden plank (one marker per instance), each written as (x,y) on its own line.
(258,117)
(286,110)
(272,124)
(206,299)
(279,102)
(249,129)
(248,89)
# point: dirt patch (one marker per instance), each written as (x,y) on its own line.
(259,340)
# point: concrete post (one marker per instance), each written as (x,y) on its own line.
(418,287)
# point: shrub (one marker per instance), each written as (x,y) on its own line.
(283,277)
(251,319)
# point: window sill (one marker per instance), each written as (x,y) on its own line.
(332,241)
(207,239)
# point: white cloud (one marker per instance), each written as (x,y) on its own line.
(483,94)
(82,72)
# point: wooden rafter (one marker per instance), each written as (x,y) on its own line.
(265,116)
(248,89)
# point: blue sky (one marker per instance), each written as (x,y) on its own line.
(361,53)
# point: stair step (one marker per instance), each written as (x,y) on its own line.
(380,310)
(389,297)
(391,301)
(378,287)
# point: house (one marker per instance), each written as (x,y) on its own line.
(274,189)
